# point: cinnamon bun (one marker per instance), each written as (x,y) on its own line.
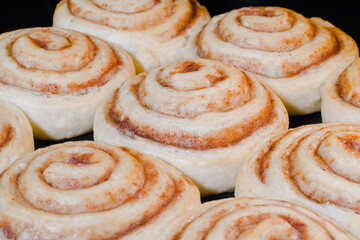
(59,77)
(315,165)
(202,116)
(89,190)
(290,53)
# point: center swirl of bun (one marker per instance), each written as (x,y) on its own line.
(189,88)
(80,179)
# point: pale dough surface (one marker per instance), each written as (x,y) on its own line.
(256,218)
(202,116)
(16,136)
(89,190)
(59,77)
(153,32)
(291,54)
(340,97)
(315,165)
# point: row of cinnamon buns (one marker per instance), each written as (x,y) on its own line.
(181,105)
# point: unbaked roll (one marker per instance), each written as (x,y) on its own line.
(16,135)
(89,190)
(153,31)
(202,116)
(316,165)
(341,96)
(292,54)
(59,77)
(251,218)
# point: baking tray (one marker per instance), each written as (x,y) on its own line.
(17,14)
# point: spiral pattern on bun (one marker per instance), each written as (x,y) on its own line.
(202,116)
(153,31)
(89,190)
(316,165)
(292,54)
(251,218)
(16,136)
(341,96)
(59,77)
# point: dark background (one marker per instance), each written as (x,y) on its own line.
(16,14)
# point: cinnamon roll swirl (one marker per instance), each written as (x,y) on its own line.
(340,100)
(89,190)
(292,54)
(202,116)
(316,165)
(153,31)
(59,77)
(251,218)
(16,136)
